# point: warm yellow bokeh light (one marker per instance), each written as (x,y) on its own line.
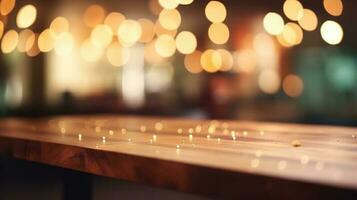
(184,2)
(186,42)
(168,4)
(94,15)
(218,33)
(215,11)
(292,9)
(117,55)
(113,20)
(46,40)
(165,46)
(147,27)
(292,33)
(6,6)
(129,32)
(269,81)
(227,60)
(101,35)
(26,40)
(309,20)
(90,52)
(9,41)
(26,16)
(293,85)
(193,62)
(59,25)
(333,7)
(331,32)
(1,28)
(34,50)
(211,60)
(64,43)
(170,19)
(282,41)
(273,23)
(159,30)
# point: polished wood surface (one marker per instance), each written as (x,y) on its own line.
(222,159)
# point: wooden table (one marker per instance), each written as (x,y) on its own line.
(219,159)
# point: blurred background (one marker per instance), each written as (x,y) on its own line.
(286,61)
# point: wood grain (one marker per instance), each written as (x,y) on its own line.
(221,159)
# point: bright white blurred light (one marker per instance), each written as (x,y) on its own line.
(331,32)
(133,85)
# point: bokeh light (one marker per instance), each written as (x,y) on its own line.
(117,55)
(331,32)
(159,77)
(129,32)
(34,50)
(333,7)
(309,20)
(292,9)
(147,27)
(292,33)
(26,40)
(227,60)
(113,20)
(64,43)
(186,42)
(90,52)
(192,62)
(184,2)
(101,35)
(170,19)
(94,15)
(218,33)
(215,11)
(6,6)
(9,41)
(168,4)
(59,25)
(1,28)
(269,81)
(26,16)
(293,85)
(165,46)
(273,23)
(46,40)
(211,60)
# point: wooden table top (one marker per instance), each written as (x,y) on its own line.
(223,159)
